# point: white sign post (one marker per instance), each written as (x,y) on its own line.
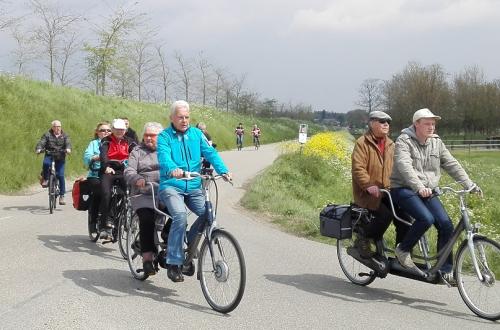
(302,133)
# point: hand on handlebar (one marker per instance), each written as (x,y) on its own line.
(38,151)
(374,191)
(228,177)
(177,173)
(476,190)
(141,183)
(425,192)
(109,170)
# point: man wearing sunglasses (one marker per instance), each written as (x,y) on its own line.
(372,160)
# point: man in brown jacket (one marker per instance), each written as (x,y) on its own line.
(372,160)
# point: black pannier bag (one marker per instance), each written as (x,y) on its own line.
(335,221)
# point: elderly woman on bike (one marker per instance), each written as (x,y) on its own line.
(114,151)
(91,159)
(419,155)
(143,168)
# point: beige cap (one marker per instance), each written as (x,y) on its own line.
(119,124)
(424,113)
(379,115)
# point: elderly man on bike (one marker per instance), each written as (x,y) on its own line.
(419,155)
(114,151)
(58,144)
(180,148)
(372,160)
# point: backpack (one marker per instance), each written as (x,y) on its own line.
(81,194)
(335,221)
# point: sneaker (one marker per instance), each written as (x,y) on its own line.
(188,270)
(44,183)
(174,273)
(105,234)
(364,247)
(61,200)
(148,268)
(449,279)
(404,258)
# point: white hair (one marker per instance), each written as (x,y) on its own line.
(179,104)
(55,122)
(153,125)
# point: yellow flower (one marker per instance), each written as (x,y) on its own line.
(331,146)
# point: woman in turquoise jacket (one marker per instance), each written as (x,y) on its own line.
(91,161)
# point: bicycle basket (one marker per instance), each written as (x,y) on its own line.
(335,221)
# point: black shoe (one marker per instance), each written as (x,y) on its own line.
(109,224)
(364,248)
(148,268)
(105,234)
(189,269)
(174,273)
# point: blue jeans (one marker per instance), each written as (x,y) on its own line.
(176,203)
(426,212)
(47,162)
(239,139)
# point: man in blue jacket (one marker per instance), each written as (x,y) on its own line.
(180,148)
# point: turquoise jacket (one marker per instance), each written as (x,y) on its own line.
(91,151)
(184,151)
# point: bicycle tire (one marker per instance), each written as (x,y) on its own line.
(485,304)
(92,226)
(351,267)
(52,193)
(133,244)
(230,266)
(213,191)
(122,229)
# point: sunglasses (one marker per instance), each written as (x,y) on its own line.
(104,130)
(383,121)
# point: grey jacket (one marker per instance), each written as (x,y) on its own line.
(417,166)
(142,164)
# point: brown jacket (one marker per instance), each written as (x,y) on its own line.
(370,167)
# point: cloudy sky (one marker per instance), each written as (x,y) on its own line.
(316,51)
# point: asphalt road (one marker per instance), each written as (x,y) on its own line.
(53,277)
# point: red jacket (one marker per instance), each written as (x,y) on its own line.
(113,149)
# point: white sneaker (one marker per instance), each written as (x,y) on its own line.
(404,258)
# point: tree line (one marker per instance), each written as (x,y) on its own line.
(122,55)
(467,102)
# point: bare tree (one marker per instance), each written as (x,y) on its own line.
(49,34)
(370,94)
(204,67)
(142,60)
(164,72)
(67,51)
(184,73)
(237,90)
(23,53)
(5,20)
(219,80)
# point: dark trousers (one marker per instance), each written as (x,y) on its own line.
(95,188)
(381,220)
(107,181)
(59,164)
(426,212)
(147,229)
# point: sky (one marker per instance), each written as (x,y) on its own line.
(318,52)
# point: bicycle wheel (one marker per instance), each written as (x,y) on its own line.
(354,270)
(224,285)
(122,235)
(133,244)
(482,297)
(52,193)
(213,193)
(92,226)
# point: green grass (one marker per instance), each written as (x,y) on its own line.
(27,108)
(302,186)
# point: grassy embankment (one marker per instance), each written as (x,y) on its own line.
(303,183)
(27,108)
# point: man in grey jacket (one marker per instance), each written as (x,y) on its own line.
(418,157)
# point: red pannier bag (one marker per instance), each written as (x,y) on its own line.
(81,195)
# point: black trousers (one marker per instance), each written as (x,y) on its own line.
(381,221)
(95,188)
(146,229)
(107,181)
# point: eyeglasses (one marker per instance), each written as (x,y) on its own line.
(150,135)
(383,121)
(102,130)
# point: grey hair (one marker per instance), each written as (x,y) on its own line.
(179,104)
(154,125)
(55,122)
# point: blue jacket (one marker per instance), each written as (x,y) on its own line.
(184,151)
(91,151)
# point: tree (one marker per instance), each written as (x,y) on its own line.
(23,53)
(49,34)
(370,94)
(204,67)
(218,86)
(5,20)
(142,60)
(164,72)
(237,90)
(67,51)
(184,73)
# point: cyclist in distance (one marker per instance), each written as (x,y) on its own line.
(239,131)
(372,161)
(256,133)
(143,168)
(58,143)
(419,155)
(180,148)
(91,159)
(201,126)
(114,151)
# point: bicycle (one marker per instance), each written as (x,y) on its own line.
(53,182)
(476,267)
(256,142)
(221,265)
